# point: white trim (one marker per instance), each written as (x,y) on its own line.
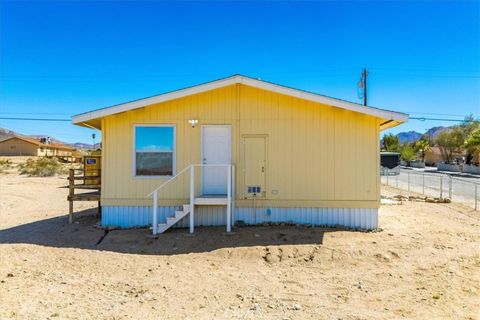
(212,201)
(381,113)
(174,157)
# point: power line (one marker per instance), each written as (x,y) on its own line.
(38,113)
(435,114)
(437,119)
(34,119)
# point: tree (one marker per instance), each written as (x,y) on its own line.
(391,143)
(450,143)
(407,153)
(468,127)
(472,143)
(422,146)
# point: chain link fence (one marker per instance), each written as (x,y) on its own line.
(437,185)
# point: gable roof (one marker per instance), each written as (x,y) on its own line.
(40,144)
(390,117)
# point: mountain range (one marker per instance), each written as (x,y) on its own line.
(413,136)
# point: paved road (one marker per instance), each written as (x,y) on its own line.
(436,185)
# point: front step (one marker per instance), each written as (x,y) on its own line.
(170,221)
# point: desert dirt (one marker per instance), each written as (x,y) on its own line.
(423,264)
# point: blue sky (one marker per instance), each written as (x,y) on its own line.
(61,58)
(158,139)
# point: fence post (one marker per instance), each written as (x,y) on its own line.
(476,196)
(441,187)
(408,180)
(450,187)
(423,184)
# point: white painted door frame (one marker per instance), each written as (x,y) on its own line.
(203,156)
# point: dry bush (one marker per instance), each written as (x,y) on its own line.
(42,167)
(5,165)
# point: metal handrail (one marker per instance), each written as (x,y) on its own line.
(231,194)
(169,180)
(184,170)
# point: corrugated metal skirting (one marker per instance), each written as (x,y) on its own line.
(140,216)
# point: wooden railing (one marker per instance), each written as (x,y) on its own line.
(87,183)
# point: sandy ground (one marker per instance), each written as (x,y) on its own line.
(425,264)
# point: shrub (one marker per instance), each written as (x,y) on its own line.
(42,167)
(4,165)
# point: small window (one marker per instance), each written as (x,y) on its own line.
(154,150)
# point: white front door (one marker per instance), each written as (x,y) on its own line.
(215,150)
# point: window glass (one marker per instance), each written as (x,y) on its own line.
(154,147)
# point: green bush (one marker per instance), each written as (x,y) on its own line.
(4,165)
(42,167)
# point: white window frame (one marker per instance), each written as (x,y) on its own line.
(134,151)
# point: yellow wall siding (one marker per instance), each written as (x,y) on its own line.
(316,154)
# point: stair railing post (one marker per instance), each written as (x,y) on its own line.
(234,195)
(229,197)
(154,213)
(192,197)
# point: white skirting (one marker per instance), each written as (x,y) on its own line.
(140,216)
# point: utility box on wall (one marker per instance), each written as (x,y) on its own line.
(92,166)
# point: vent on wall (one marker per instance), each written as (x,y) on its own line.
(254,189)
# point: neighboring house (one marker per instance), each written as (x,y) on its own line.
(23,146)
(296,157)
(433,156)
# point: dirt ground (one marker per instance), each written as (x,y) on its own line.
(424,264)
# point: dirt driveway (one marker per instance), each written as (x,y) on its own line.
(425,264)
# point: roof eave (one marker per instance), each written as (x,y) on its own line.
(87,119)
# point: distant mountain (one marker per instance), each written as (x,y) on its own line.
(5,134)
(413,136)
(409,137)
(432,133)
(81,145)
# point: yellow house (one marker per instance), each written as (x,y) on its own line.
(23,146)
(240,150)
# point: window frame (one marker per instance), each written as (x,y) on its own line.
(134,150)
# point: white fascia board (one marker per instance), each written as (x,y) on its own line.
(77,119)
(384,114)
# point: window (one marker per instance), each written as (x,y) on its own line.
(154,150)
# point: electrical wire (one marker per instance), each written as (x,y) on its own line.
(437,119)
(33,119)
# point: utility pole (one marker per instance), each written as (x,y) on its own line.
(93,138)
(362,84)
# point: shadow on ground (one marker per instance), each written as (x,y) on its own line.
(56,232)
